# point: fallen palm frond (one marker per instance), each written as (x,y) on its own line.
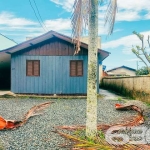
(84,143)
(100,143)
(12,124)
(82,127)
(128,107)
(97,144)
(136,121)
(35,110)
(78,143)
(133,122)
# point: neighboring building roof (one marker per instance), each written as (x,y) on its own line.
(121,67)
(104,67)
(5,42)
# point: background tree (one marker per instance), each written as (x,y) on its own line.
(141,50)
(86,14)
(142,71)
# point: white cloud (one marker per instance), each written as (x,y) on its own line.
(128,10)
(9,19)
(125,43)
(65,4)
(134,5)
(11,24)
(133,60)
(58,24)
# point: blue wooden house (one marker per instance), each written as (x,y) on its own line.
(47,65)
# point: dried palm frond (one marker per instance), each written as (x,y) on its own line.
(80,19)
(2,123)
(35,110)
(128,107)
(85,143)
(81,144)
(111,15)
(102,127)
(133,122)
(136,121)
(99,143)
(13,124)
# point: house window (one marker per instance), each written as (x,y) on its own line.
(33,67)
(76,68)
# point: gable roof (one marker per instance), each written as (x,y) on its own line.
(45,37)
(5,54)
(121,67)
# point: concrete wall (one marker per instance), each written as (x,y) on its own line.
(100,72)
(137,87)
(85,39)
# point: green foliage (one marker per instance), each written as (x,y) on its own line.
(101,134)
(142,71)
(119,99)
(141,52)
(147,104)
(98,143)
(1,146)
(140,36)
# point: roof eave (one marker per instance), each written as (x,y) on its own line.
(45,37)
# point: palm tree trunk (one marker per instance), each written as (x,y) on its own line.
(91,120)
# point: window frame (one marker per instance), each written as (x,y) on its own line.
(76,73)
(33,75)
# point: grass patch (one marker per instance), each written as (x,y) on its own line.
(59,97)
(97,143)
(100,96)
(1,146)
(119,99)
(147,104)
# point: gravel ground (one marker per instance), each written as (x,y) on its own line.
(37,135)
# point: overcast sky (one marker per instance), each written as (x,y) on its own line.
(18,20)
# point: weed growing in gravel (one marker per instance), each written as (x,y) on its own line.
(147,104)
(119,99)
(101,134)
(91,143)
(100,96)
(1,146)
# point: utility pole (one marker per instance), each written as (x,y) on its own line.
(137,65)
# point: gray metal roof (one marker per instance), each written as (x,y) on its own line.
(5,58)
(121,67)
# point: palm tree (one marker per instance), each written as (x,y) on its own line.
(86,14)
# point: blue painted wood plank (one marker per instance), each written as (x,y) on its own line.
(54,75)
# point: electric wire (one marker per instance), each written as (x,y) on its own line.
(39,14)
(36,15)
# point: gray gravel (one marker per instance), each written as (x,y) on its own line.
(37,135)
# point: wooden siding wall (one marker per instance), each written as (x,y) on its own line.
(54,56)
(54,75)
(52,47)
